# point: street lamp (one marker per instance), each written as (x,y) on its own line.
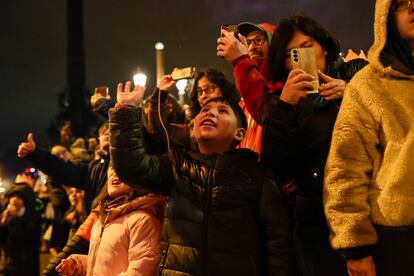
(159,61)
(140,79)
(181,85)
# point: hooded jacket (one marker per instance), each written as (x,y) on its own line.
(369,179)
(247,70)
(22,235)
(127,242)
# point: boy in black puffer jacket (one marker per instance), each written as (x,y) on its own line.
(224,215)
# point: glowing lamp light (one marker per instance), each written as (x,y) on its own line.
(140,79)
(181,85)
(159,46)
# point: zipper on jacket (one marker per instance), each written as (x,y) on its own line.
(206,214)
(97,247)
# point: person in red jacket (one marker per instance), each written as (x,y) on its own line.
(258,38)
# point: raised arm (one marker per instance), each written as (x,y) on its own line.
(64,172)
(128,155)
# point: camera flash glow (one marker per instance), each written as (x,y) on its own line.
(159,46)
(140,79)
(181,85)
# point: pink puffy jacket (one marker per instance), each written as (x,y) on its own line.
(129,241)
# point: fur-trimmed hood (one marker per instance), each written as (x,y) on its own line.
(382,9)
(151,203)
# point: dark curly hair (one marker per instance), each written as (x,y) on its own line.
(218,78)
(286,28)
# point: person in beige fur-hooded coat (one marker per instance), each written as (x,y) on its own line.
(369,183)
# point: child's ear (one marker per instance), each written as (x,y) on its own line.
(240,133)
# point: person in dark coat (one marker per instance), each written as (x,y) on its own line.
(20,229)
(297,130)
(89,177)
(224,215)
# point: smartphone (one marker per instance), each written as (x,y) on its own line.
(103,90)
(304,58)
(183,73)
(230,28)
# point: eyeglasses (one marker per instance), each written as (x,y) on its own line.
(402,5)
(208,90)
(258,40)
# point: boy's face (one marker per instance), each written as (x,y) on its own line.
(216,124)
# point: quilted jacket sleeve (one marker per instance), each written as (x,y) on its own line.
(128,155)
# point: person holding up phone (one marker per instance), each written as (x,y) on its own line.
(248,54)
(297,127)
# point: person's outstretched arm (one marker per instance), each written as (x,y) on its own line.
(128,155)
(64,172)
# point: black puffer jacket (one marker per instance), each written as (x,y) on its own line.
(223,216)
(296,141)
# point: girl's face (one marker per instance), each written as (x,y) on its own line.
(116,188)
(207,90)
(404,20)
(300,40)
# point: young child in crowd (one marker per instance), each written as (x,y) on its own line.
(224,215)
(125,239)
(20,232)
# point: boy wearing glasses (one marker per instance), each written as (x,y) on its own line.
(369,180)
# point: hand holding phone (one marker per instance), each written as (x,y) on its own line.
(304,59)
(229,28)
(103,90)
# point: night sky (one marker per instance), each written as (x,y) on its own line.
(119,40)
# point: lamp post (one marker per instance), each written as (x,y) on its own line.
(181,85)
(159,61)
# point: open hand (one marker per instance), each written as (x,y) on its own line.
(127,96)
(26,148)
(332,88)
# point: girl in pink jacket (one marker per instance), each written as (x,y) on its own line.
(126,238)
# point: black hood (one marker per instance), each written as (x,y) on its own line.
(26,193)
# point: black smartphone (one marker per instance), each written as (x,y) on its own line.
(230,28)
